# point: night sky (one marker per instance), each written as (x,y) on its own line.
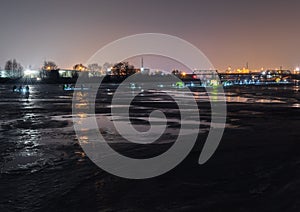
(263,33)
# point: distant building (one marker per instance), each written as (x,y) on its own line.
(207,74)
(11,74)
(4,74)
(66,73)
(238,71)
(32,74)
(145,71)
(207,77)
(275,75)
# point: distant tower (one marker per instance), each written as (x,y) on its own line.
(144,70)
(247,65)
(142,64)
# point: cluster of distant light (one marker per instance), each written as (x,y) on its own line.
(229,70)
(252,82)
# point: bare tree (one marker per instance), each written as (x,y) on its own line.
(49,66)
(80,67)
(123,69)
(107,67)
(14,69)
(49,69)
(96,70)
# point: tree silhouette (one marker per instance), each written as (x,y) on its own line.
(49,66)
(96,70)
(80,67)
(123,69)
(14,69)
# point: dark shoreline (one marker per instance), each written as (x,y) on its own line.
(118,79)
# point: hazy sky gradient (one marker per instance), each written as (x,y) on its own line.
(264,33)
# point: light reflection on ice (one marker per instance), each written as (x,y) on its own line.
(105,124)
(239,99)
(297,105)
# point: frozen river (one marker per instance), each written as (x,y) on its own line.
(44,168)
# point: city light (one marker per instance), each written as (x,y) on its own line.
(31,73)
(28,72)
